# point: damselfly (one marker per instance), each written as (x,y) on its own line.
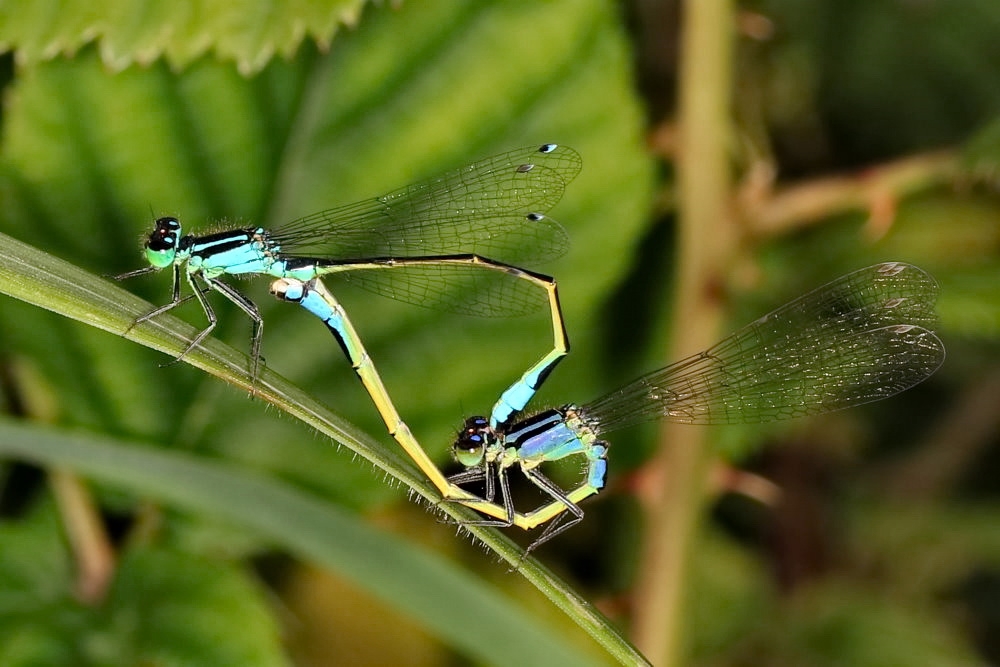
(425,243)
(863,337)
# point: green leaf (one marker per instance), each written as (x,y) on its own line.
(174,608)
(884,613)
(981,154)
(37,611)
(888,78)
(164,606)
(840,624)
(246,32)
(432,591)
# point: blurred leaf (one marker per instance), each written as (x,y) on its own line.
(173,607)
(247,32)
(36,606)
(924,548)
(981,154)
(38,615)
(838,620)
(164,607)
(729,595)
(430,590)
(839,623)
(887,77)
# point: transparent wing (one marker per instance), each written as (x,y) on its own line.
(485,290)
(861,338)
(494,207)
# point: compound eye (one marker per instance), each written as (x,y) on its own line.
(470,446)
(162,244)
(469,451)
(165,235)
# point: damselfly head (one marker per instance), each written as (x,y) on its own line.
(161,246)
(472,442)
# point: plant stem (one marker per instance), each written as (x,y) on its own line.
(705,243)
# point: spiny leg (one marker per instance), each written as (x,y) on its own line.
(505,521)
(248,307)
(559,523)
(200,294)
(563,501)
(175,300)
(132,274)
(481,473)
(504,514)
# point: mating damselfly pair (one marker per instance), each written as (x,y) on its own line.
(453,242)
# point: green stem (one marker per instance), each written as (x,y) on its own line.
(705,243)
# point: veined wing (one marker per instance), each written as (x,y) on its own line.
(494,207)
(858,339)
(459,284)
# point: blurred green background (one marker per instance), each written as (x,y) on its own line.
(156,516)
